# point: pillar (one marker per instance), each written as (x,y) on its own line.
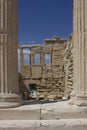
(9,87)
(79,94)
(21,56)
(32,57)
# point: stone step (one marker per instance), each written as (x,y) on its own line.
(44,111)
(62,124)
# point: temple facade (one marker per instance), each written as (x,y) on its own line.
(46,70)
(53,70)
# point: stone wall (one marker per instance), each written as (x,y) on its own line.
(68,66)
(51,80)
(47,79)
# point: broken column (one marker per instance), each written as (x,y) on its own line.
(9,87)
(79,94)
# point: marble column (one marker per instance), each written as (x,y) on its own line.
(9,87)
(79,94)
(21,57)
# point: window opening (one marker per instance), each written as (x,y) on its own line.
(47,59)
(26,53)
(37,59)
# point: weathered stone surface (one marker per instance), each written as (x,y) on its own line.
(9,87)
(78,124)
(37,110)
(56,78)
(79,94)
(49,116)
(68,66)
(50,76)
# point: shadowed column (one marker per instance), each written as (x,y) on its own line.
(79,94)
(9,87)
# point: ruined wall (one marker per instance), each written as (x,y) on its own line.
(48,78)
(68,66)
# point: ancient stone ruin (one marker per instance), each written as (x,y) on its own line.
(50,74)
(54,70)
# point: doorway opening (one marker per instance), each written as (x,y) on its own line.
(33,91)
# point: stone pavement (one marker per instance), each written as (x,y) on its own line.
(45,116)
(62,124)
(44,111)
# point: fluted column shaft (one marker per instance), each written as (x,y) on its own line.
(80,52)
(9,87)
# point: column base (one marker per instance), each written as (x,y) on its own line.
(10,100)
(73,98)
(72,101)
(80,100)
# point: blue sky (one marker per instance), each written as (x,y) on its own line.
(43,19)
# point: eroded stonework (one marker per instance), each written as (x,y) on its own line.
(52,80)
(68,66)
